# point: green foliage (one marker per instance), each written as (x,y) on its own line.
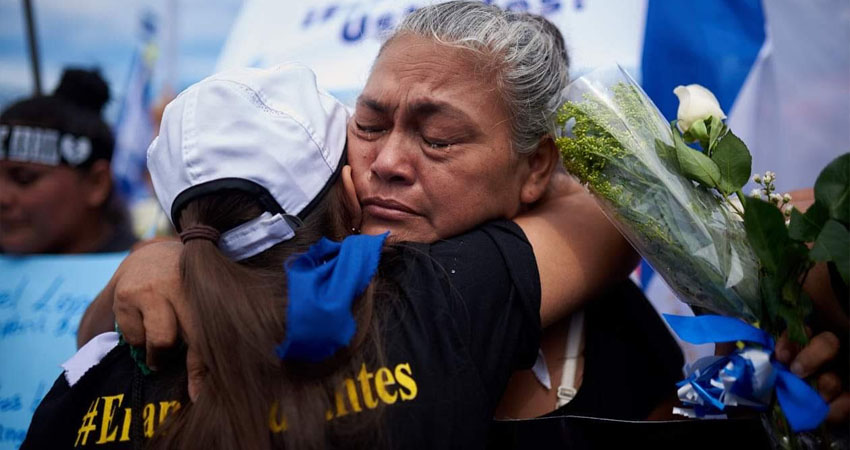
(681,226)
(766,233)
(667,153)
(805,227)
(832,188)
(698,132)
(716,130)
(784,264)
(791,315)
(694,165)
(734,161)
(619,146)
(587,153)
(833,245)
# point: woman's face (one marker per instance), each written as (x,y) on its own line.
(41,207)
(430,144)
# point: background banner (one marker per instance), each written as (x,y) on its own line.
(340,39)
(42,299)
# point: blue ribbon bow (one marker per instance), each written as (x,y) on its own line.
(323,282)
(734,375)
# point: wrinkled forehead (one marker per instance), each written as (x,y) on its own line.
(413,70)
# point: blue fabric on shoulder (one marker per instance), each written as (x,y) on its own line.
(323,283)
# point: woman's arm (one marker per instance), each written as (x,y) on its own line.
(578,254)
(578,251)
(145,297)
(151,268)
(98,317)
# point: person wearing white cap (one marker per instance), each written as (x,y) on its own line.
(306,342)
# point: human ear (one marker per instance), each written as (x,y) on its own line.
(351,201)
(98,183)
(541,165)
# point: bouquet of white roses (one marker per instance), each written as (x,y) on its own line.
(683,210)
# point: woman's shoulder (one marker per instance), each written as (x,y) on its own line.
(501,235)
(494,259)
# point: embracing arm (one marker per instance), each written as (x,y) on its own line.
(579,252)
(98,317)
(144,296)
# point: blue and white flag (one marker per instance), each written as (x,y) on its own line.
(780,70)
(134,128)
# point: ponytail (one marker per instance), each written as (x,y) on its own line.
(250,398)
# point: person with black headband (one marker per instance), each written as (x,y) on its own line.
(56,189)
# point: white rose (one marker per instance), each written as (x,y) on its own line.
(696,103)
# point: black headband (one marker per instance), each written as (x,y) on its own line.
(47,146)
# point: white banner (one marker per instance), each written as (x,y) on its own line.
(339,39)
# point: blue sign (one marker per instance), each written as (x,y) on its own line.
(42,299)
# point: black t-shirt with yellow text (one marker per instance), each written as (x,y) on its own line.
(467,317)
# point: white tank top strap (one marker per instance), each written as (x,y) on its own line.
(575,334)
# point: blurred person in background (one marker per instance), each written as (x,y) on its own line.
(56,188)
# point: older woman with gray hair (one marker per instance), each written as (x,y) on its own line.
(481,159)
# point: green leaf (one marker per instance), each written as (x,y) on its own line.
(806,227)
(667,153)
(833,244)
(698,130)
(695,165)
(794,324)
(796,260)
(771,289)
(832,188)
(766,233)
(715,130)
(734,161)
(785,302)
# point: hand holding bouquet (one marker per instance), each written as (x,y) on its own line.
(682,208)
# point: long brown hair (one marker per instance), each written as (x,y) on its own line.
(239,311)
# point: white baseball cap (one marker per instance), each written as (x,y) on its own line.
(270,132)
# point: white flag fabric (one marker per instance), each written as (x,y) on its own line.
(793,111)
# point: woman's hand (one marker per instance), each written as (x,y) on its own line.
(150,309)
(98,317)
(147,298)
(809,361)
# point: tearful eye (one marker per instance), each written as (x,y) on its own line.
(436,145)
(368,130)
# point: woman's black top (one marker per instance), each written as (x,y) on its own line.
(631,366)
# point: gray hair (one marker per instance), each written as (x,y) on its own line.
(527,52)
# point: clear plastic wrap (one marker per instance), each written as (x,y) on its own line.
(607,129)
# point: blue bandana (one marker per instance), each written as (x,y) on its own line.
(323,282)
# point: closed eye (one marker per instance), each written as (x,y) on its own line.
(369,131)
(435,144)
